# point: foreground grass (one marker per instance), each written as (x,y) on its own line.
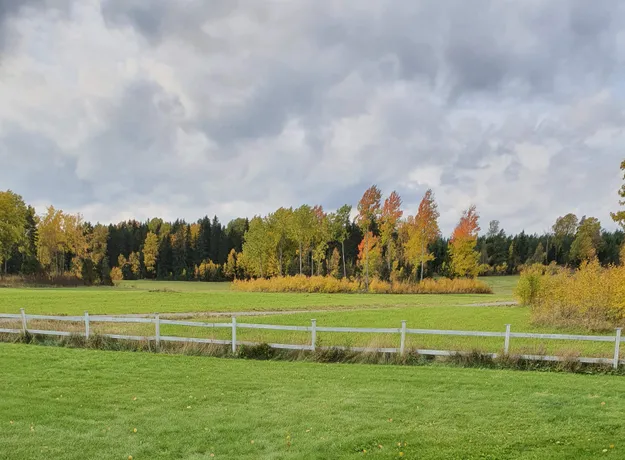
(76,404)
(170,297)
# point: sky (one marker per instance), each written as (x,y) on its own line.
(123,109)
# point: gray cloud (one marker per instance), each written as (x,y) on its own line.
(183,108)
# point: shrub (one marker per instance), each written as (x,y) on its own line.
(43,280)
(591,297)
(328,284)
(116,274)
(261,352)
(529,284)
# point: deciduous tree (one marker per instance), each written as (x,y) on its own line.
(564,231)
(280,223)
(619,216)
(389,217)
(368,214)
(230,267)
(257,247)
(301,229)
(150,253)
(369,254)
(339,224)
(320,237)
(52,241)
(587,240)
(423,232)
(12,224)
(464,258)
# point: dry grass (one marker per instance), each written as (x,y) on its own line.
(326,284)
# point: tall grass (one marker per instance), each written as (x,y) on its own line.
(262,351)
(327,284)
(592,297)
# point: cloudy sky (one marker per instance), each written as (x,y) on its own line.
(181,108)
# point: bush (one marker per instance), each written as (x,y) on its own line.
(328,284)
(529,284)
(116,274)
(42,280)
(260,352)
(591,297)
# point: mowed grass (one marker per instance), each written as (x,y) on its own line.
(170,297)
(77,404)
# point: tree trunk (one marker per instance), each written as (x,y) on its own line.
(280,261)
(344,268)
(367,261)
(261,266)
(312,264)
(300,257)
(422,263)
(6,266)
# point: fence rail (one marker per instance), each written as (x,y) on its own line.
(88,319)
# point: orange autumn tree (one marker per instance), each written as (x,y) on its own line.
(422,231)
(368,214)
(390,215)
(369,253)
(464,258)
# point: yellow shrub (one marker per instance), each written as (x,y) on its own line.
(116,274)
(529,284)
(592,297)
(329,284)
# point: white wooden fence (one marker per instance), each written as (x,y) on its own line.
(157,338)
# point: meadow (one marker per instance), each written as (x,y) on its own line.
(179,296)
(426,311)
(78,403)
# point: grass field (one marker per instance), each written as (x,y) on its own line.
(177,296)
(78,404)
(359,310)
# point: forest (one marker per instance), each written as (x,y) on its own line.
(375,241)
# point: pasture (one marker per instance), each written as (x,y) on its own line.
(195,299)
(78,403)
(179,296)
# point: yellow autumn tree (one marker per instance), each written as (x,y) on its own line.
(464,258)
(150,253)
(422,230)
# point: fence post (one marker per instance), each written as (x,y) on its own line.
(402,343)
(157,329)
(24,324)
(234,334)
(87,325)
(313,334)
(506,343)
(617,348)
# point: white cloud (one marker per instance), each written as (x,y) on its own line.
(180,109)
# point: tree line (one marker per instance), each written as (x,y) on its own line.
(375,240)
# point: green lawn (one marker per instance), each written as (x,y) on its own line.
(169,297)
(85,404)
